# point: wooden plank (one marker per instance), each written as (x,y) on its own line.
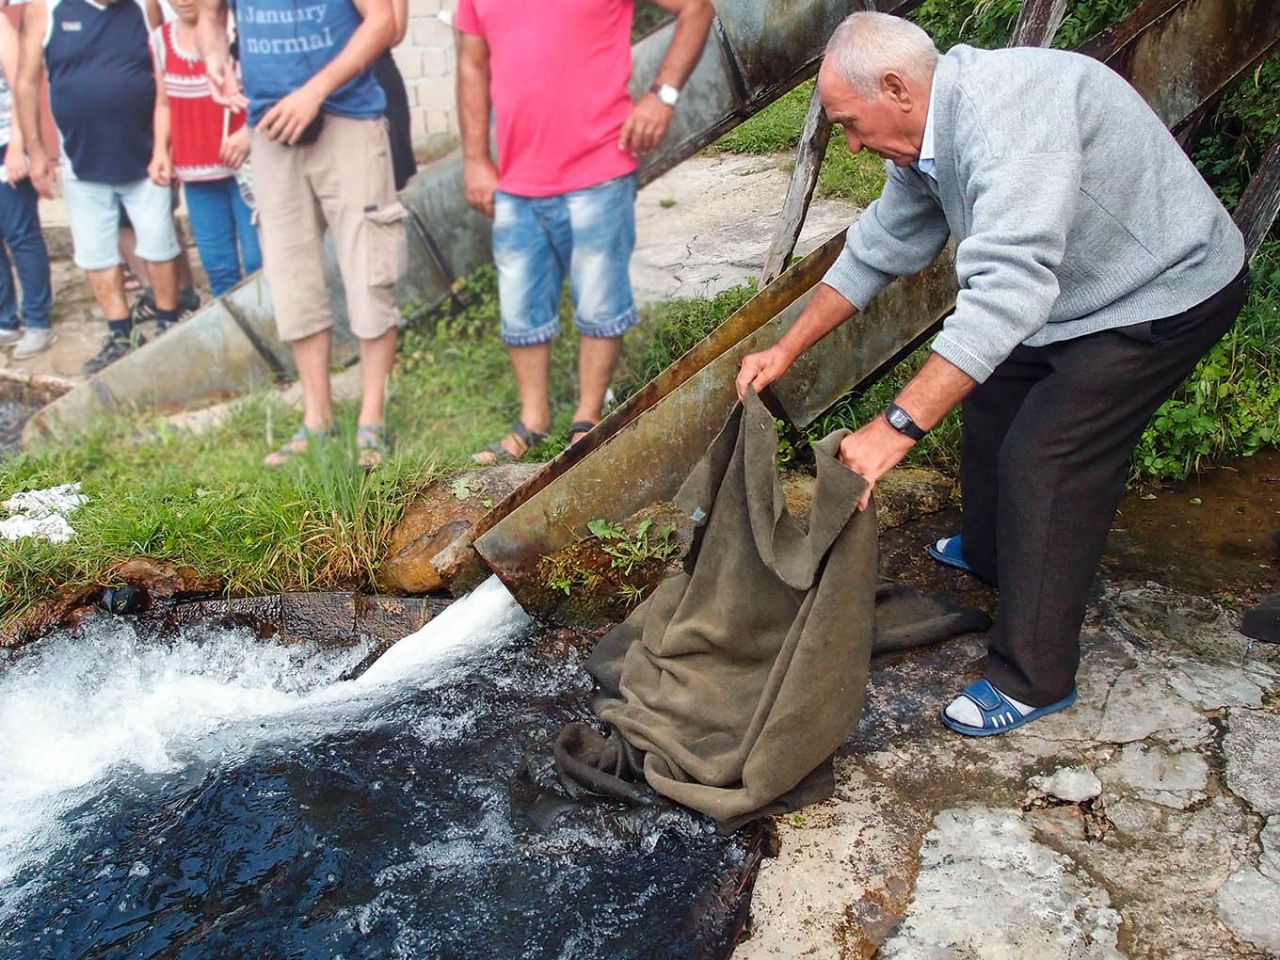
(813,147)
(1260,204)
(1038,21)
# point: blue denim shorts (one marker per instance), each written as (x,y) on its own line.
(93,213)
(587,235)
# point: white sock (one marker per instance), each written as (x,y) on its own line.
(963,710)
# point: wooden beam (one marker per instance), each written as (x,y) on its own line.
(1257,209)
(813,147)
(1038,21)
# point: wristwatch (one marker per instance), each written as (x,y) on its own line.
(901,421)
(666,93)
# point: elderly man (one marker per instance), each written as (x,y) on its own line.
(1095,268)
(562,195)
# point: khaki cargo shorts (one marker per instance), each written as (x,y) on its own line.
(342,181)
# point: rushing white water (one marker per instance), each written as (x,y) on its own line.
(105,703)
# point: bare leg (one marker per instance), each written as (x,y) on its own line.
(108,290)
(596,359)
(532,366)
(164,280)
(128,246)
(311,354)
(376,359)
(186,281)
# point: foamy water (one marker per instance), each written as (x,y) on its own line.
(218,795)
(82,708)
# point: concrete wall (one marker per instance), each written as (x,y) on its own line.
(426,58)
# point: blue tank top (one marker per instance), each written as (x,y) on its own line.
(283,43)
(102,87)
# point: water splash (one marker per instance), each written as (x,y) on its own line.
(215,794)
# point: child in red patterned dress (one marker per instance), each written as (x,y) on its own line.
(202,144)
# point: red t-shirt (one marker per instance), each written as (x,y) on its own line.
(558,84)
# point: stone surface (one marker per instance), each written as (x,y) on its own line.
(1269,862)
(1152,772)
(902,496)
(1252,748)
(1249,903)
(162,579)
(707,224)
(988,890)
(1072,784)
(439,516)
(1158,697)
(1142,703)
(1211,686)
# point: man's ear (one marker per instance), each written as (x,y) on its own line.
(895,90)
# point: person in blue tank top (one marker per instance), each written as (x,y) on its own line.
(102,93)
(321,158)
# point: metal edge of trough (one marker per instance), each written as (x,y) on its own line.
(644,458)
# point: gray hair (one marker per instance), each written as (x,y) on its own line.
(868,45)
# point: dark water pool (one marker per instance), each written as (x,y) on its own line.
(215,796)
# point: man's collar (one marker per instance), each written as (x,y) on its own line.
(926,164)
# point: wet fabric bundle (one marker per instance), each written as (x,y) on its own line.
(730,688)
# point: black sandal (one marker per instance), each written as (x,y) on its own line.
(582,427)
(497,453)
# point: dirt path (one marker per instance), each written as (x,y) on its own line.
(707,224)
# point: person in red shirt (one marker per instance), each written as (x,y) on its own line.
(202,144)
(562,194)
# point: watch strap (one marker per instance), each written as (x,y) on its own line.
(901,421)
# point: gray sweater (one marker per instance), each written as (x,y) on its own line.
(1073,208)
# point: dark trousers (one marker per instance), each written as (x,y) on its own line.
(1047,440)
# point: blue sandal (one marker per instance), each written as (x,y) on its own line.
(998,714)
(948,553)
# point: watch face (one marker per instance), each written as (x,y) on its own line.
(668,95)
(898,418)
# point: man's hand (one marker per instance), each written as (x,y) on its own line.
(646,126)
(224,85)
(235,149)
(285,121)
(761,369)
(15,162)
(480,178)
(872,451)
(160,169)
(43,175)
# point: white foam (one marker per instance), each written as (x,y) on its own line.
(82,709)
(488,616)
(42,514)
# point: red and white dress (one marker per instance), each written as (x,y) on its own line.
(198,125)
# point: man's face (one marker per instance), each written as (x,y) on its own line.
(890,124)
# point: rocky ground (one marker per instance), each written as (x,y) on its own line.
(1144,822)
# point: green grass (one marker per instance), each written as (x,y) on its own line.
(319,523)
(203,501)
(776,129)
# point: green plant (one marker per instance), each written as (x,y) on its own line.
(1239,131)
(1230,405)
(632,550)
(776,129)
(670,329)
